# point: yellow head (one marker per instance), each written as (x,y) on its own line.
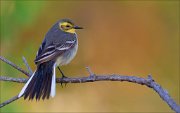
(68,26)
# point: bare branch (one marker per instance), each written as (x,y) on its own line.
(10,79)
(27,65)
(9,101)
(14,65)
(149,82)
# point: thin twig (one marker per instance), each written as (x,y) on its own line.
(27,65)
(9,101)
(14,65)
(89,71)
(149,82)
(92,76)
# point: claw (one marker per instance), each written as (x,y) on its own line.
(61,84)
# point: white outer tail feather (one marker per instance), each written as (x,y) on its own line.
(53,83)
(25,86)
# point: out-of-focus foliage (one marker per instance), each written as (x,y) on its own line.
(16,14)
(123,37)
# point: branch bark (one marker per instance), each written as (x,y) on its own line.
(149,82)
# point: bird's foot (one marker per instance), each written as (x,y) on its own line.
(63,76)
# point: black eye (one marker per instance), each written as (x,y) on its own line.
(68,26)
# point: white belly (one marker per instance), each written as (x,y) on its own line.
(66,57)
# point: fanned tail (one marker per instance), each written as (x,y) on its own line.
(41,84)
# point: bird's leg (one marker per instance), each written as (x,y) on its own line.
(63,76)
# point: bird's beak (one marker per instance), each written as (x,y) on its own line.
(77,27)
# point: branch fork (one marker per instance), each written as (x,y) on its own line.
(92,76)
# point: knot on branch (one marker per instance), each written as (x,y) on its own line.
(150,79)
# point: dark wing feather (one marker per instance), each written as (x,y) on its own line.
(54,50)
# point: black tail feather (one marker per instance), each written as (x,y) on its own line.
(40,85)
(47,88)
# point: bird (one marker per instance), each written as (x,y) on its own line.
(58,48)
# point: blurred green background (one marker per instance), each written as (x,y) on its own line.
(121,37)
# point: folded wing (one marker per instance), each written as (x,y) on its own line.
(53,50)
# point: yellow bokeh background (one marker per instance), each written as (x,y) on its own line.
(119,37)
